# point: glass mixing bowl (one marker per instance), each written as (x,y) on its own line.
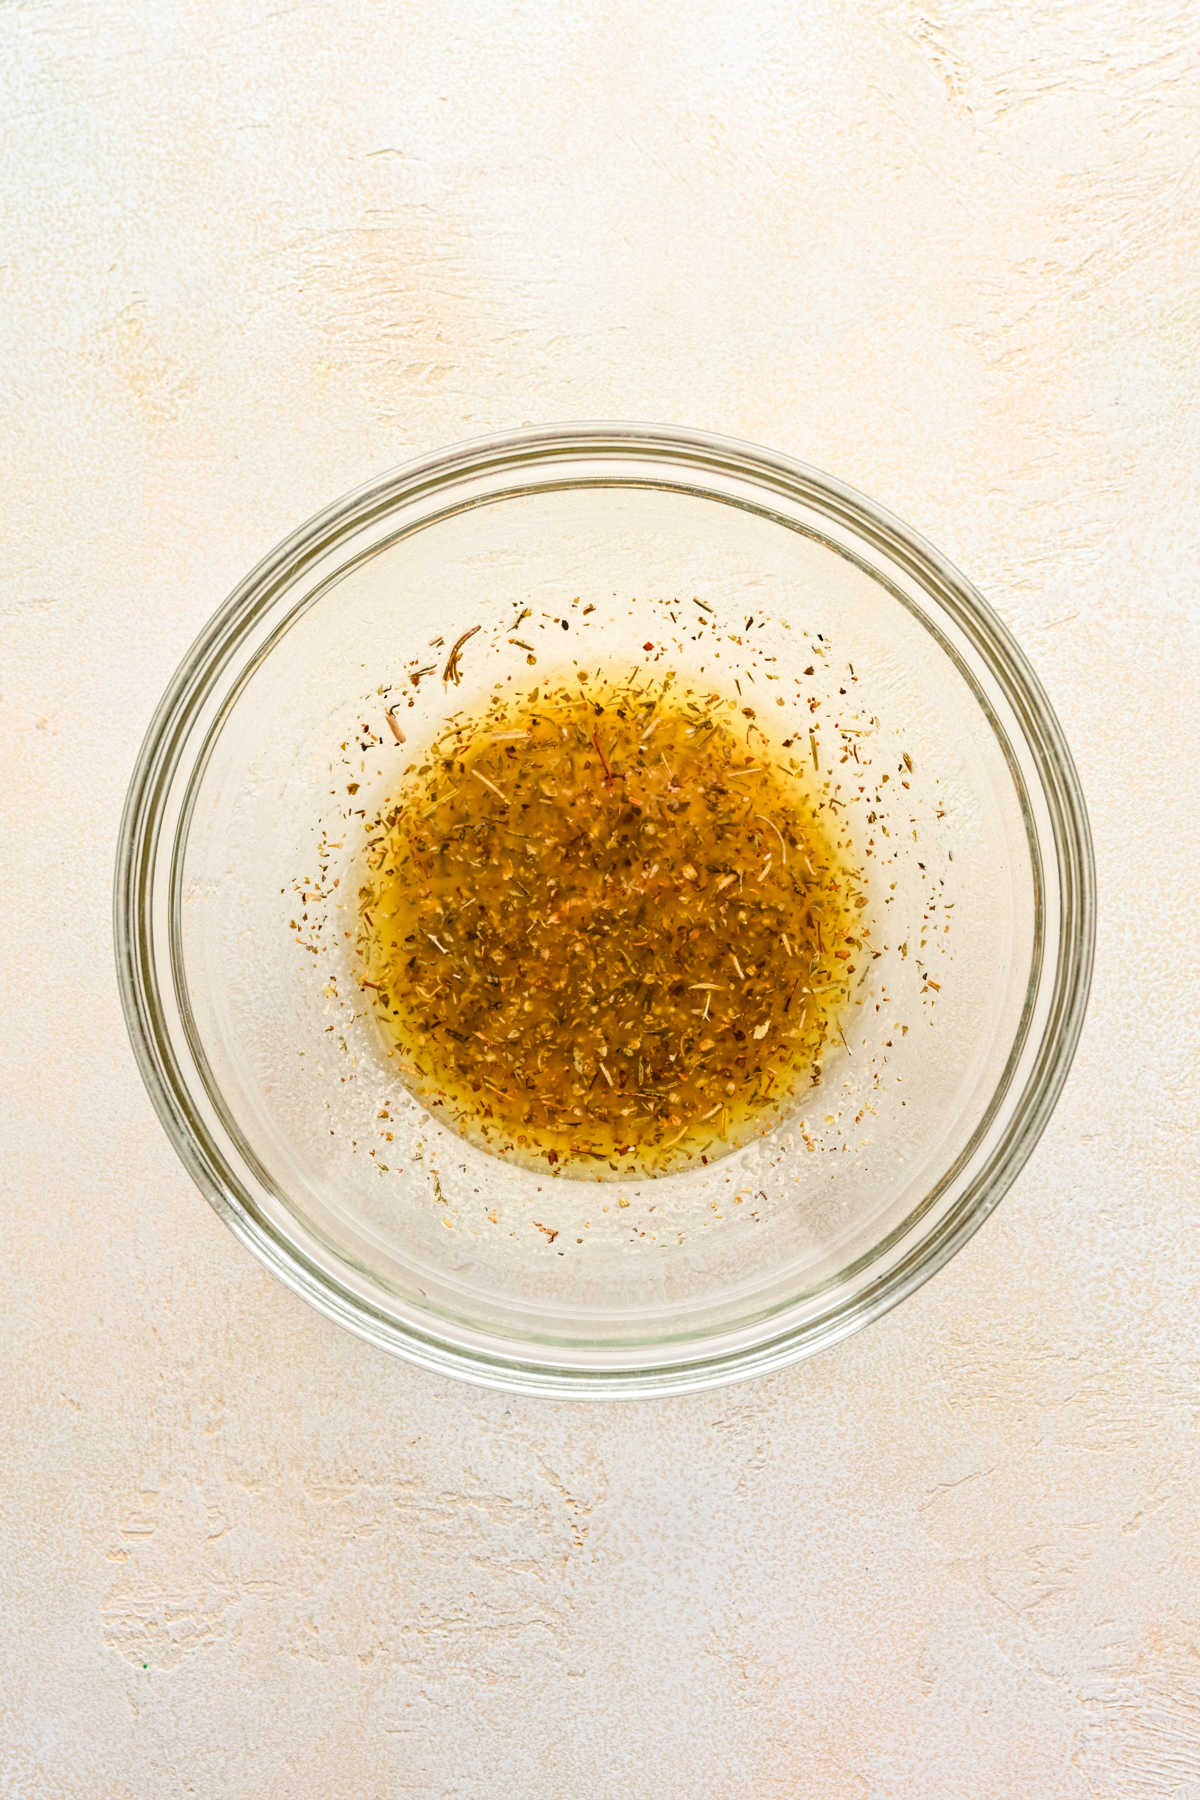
(602,546)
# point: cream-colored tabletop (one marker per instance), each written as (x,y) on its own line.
(253,254)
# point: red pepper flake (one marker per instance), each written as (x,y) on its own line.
(608,774)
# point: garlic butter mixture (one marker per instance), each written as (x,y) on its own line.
(607,927)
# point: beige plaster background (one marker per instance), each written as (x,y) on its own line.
(253,253)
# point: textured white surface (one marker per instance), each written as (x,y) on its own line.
(252,255)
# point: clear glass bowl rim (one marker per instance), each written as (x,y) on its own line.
(678,450)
